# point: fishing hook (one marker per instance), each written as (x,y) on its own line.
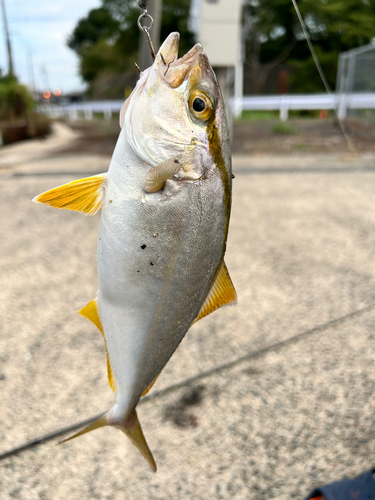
(143,5)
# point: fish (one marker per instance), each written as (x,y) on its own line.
(165,206)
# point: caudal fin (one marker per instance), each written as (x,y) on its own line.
(133,430)
(130,426)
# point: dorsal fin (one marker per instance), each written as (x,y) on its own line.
(150,386)
(91,312)
(84,195)
(222,293)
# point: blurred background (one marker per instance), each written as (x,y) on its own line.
(64,60)
(267,399)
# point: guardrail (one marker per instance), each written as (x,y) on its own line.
(85,110)
(284,103)
(281,103)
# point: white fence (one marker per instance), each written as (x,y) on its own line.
(84,110)
(284,103)
(281,103)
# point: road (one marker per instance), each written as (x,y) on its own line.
(264,400)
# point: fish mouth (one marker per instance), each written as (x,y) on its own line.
(168,51)
(176,70)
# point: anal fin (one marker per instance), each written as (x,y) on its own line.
(222,293)
(91,312)
(83,195)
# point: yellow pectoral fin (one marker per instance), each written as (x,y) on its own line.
(84,195)
(156,177)
(91,312)
(222,293)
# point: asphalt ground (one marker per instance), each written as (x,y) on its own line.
(264,400)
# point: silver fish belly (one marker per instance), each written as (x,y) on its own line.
(152,288)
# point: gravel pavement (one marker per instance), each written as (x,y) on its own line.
(264,400)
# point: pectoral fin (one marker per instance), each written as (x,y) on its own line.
(222,293)
(156,177)
(91,312)
(84,195)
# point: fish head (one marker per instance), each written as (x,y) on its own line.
(177,111)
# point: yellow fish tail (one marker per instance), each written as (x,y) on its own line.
(101,422)
(130,426)
(133,430)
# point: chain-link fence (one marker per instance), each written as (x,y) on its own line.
(356,80)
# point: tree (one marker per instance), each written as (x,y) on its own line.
(15,100)
(95,41)
(99,24)
(273,35)
(106,40)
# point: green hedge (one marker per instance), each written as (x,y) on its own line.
(15,100)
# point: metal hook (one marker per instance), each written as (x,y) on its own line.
(146,30)
(146,16)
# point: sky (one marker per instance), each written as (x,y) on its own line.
(39,30)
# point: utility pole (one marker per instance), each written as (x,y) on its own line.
(44,71)
(154,8)
(7,40)
(30,66)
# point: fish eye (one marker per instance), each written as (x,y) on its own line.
(198,104)
(201,105)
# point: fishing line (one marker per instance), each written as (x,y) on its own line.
(322,76)
(192,380)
